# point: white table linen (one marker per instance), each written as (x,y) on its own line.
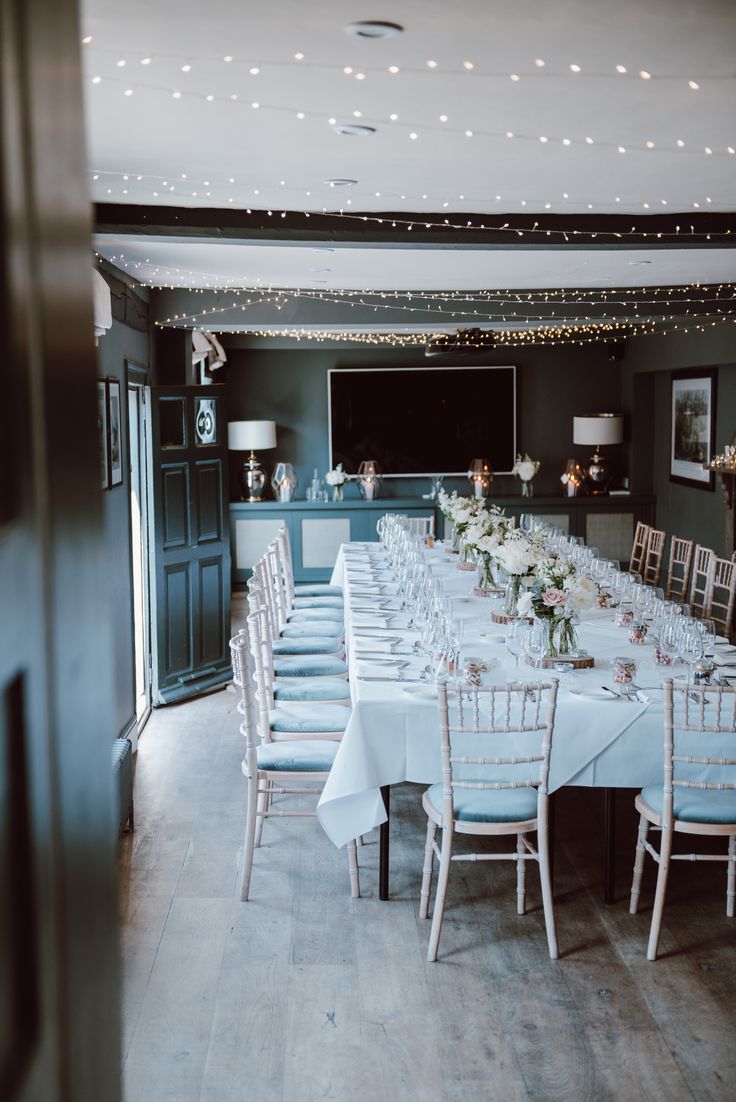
(393,732)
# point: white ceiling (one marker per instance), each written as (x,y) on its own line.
(179,146)
(214,264)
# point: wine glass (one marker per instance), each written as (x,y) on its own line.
(535,642)
(515,639)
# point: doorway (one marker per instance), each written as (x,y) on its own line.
(138,428)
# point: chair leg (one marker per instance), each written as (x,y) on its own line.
(439,899)
(353,867)
(665,851)
(427,870)
(638,864)
(263,801)
(545,876)
(520,875)
(731,880)
(250,836)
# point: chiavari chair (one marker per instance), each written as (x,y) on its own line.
(723,596)
(701,580)
(695,719)
(488,789)
(654,557)
(678,571)
(639,548)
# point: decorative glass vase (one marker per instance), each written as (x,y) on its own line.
(466,558)
(337,493)
(511,597)
(486,574)
(527,488)
(561,637)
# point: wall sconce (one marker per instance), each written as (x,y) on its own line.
(480,477)
(369,479)
(598,429)
(573,479)
(243,436)
(283,481)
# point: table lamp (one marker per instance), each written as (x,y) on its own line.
(598,429)
(243,436)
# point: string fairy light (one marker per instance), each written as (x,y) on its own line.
(152,180)
(537,68)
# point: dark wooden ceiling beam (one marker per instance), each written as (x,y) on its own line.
(363,230)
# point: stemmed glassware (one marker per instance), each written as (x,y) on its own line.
(535,642)
(516,633)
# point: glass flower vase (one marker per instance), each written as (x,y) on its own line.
(511,597)
(337,493)
(562,637)
(486,579)
(527,488)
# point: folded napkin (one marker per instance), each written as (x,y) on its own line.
(727,660)
(597,614)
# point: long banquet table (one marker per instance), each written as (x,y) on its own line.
(393,732)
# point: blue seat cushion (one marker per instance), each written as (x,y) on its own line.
(305,755)
(313,627)
(303,614)
(488,805)
(317,590)
(311,689)
(694,805)
(308,644)
(299,719)
(310,665)
(318,602)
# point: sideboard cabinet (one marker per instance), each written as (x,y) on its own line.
(317,529)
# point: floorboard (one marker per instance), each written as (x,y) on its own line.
(304,993)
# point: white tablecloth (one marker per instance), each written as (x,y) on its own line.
(393,734)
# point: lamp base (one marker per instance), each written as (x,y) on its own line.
(597,474)
(252,479)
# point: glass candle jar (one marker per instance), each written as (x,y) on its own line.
(624,674)
(638,633)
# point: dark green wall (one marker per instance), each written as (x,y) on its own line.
(289,385)
(688,512)
(121,343)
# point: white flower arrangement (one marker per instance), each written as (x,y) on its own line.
(559,591)
(487,530)
(525,467)
(336,477)
(460,511)
(519,553)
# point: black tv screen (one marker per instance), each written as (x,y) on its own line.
(424,420)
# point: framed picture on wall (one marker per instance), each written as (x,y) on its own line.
(692,440)
(114,432)
(102,433)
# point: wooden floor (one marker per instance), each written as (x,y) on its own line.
(304,994)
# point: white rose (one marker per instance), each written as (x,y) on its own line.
(526,470)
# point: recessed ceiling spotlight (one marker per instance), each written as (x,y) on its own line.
(373,28)
(338,182)
(638,263)
(325,250)
(353,130)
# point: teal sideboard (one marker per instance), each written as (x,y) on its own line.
(317,530)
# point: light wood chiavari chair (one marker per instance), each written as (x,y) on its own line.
(639,548)
(686,804)
(678,571)
(723,596)
(293,768)
(487,789)
(654,557)
(701,580)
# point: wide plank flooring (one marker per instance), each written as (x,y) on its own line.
(305,994)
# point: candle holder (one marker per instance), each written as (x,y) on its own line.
(369,479)
(573,478)
(480,477)
(284,481)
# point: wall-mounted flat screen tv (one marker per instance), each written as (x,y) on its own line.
(423,420)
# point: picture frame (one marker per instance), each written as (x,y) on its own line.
(102,434)
(693,426)
(114,433)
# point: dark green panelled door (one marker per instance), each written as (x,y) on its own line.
(190,550)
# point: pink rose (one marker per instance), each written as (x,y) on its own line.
(552,597)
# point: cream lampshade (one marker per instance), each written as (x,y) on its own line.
(597,429)
(243,436)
